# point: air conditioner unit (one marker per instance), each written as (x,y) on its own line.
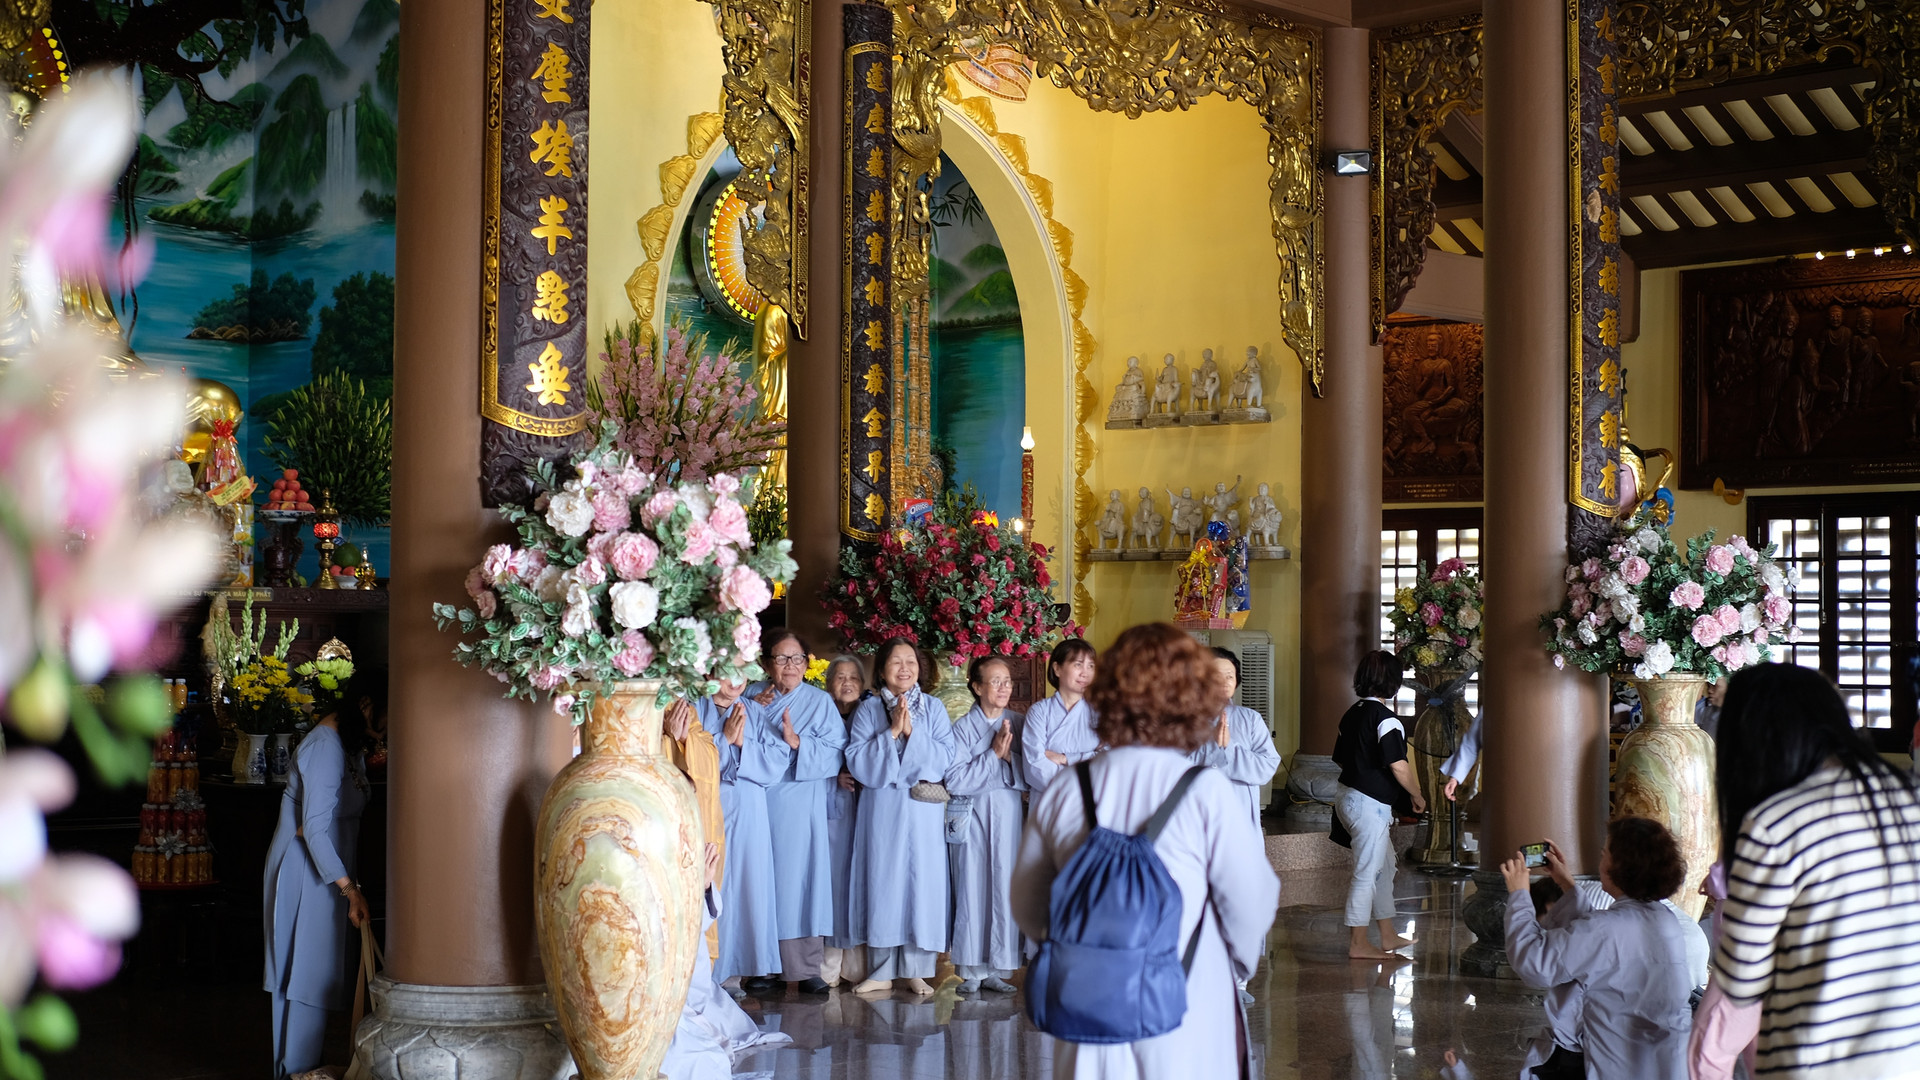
(1255,650)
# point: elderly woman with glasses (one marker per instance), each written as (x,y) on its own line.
(808,740)
(983,842)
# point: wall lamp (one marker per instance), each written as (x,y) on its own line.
(1350,162)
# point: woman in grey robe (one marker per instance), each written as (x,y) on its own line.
(984,839)
(310,894)
(845,959)
(902,739)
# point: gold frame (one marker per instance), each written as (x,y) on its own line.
(1576,281)
(677,175)
(847,528)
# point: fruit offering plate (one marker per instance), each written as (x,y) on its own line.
(283,517)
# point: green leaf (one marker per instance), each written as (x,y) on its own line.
(139,705)
(48,1021)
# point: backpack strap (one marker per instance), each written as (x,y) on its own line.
(1193,943)
(1086,794)
(1159,819)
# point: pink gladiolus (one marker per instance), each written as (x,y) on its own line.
(70,958)
(633,555)
(611,514)
(1729,617)
(743,590)
(1720,559)
(1634,570)
(636,652)
(1707,631)
(1689,595)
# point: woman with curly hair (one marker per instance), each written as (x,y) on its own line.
(1629,961)
(1157,699)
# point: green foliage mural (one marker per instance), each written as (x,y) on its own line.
(258,311)
(356,330)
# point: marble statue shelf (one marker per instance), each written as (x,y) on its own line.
(1223,418)
(1256,554)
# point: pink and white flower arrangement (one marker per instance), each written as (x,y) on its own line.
(619,573)
(1647,608)
(684,417)
(1436,622)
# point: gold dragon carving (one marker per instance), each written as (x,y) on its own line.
(767,46)
(1420,75)
(1131,57)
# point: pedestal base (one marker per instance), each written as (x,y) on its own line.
(461,1033)
(1485,913)
(1160,420)
(1140,555)
(1254,415)
(1312,786)
(1199,418)
(1123,423)
(1103,555)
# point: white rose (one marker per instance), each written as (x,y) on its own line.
(1473,649)
(697,499)
(1772,578)
(1613,586)
(1626,606)
(577,619)
(1647,540)
(1637,623)
(1587,634)
(571,513)
(1659,657)
(1468,617)
(635,603)
(1643,670)
(551,585)
(1749,618)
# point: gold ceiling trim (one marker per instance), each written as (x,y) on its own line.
(656,225)
(1139,56)
(1086,400)
(768,49)
(1668,46)
(1421,74)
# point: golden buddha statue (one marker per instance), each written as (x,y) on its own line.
(772,332)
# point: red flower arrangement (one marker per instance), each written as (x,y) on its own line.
(963,589)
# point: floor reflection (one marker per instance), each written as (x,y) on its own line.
(1316,1016)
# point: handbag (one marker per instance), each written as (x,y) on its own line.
(930,791)
(371,960)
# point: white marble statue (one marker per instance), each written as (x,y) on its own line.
(1263,518)
(1166,389)
(1205,389)
(1185,511)
(1130,397)
(1113,523)
(1246,392)
(1148,525)
(1222,503)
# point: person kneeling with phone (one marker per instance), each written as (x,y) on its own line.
(1626,965)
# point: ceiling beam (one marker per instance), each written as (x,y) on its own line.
(1848,226)
(1456,199)
(1780,158)
(1749,89)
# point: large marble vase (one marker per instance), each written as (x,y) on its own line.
(1664,771)
(619,869)
(1436,735)
(950,686)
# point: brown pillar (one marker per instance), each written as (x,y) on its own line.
(467,768)
(813,366)
(1341,432)
(1544,761)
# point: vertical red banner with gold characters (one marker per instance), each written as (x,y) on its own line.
(866,329)
(534,263)
(1597,382)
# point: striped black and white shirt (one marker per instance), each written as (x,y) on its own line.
(1823,926)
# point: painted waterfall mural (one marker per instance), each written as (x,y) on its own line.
(979,352)
(267,187)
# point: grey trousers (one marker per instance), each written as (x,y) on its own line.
(800,958)
(901,962)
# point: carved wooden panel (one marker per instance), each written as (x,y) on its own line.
(1802,372)
(1433,407)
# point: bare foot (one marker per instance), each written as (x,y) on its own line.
(1368,952)
(1395,941)
(920,987)
(875,986)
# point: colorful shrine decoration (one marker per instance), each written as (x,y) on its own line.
(534,265)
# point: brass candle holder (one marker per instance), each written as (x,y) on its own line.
(326,529)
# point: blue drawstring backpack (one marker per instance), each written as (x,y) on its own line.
(1110,970)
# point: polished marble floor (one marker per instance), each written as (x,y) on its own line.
(1317,1015)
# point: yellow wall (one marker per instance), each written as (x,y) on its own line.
(655,63)
(1171,234)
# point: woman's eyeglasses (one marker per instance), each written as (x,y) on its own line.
(789,661)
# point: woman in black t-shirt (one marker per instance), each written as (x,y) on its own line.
(1376,785)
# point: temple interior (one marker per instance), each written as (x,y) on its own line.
(962,331)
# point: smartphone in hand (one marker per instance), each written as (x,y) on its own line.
(1535,854)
